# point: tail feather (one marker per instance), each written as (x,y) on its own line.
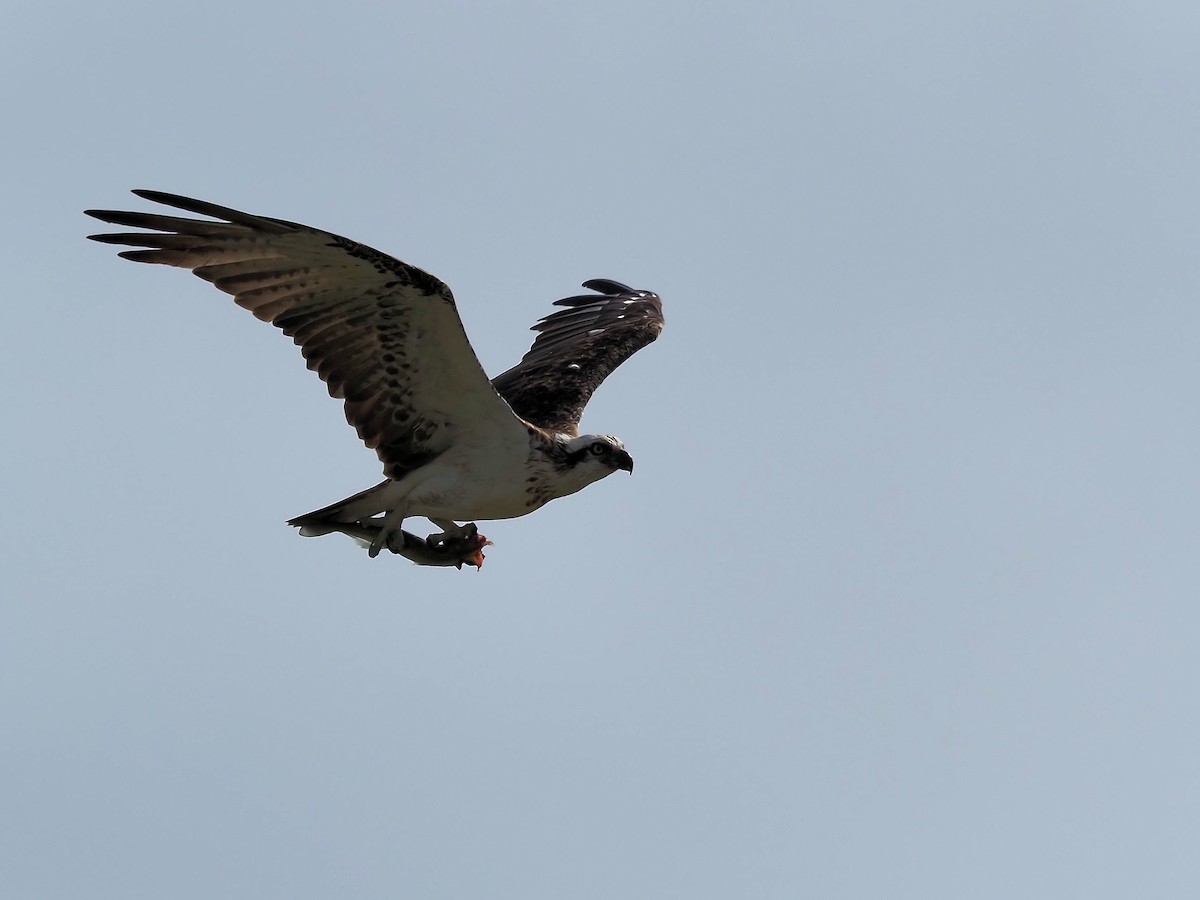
(331,518)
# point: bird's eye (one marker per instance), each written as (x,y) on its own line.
(599,448)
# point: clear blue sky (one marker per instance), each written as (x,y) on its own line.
(901,601)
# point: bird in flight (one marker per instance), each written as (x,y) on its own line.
(386,338)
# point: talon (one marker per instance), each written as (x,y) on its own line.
(453,534)
(463,546)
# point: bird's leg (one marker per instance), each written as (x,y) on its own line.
(451,531)
(463,540)
(391,524)
(454,551)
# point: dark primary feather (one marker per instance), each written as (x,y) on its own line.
(576,349)
(383,335)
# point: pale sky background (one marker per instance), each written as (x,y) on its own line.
(901,600)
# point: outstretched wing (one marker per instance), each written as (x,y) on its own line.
(384,336)
(576,349)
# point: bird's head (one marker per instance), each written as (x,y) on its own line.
(597,455)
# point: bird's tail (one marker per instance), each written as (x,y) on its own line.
(336,516)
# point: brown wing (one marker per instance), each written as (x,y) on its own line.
(576,349)
(384,336)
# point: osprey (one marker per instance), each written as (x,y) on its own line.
(386,338)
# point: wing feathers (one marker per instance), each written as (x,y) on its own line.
(260,224)
(383,335)
(576,349)
(195,227)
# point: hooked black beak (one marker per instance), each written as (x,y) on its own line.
(623,460)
